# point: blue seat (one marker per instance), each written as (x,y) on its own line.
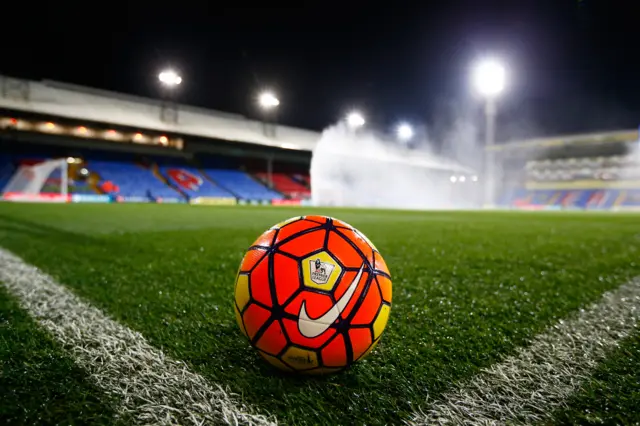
(242,184)
(631,199)
(193,183)
(133,180)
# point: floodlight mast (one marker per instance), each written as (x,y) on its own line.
(489,78)
(169,80)
(269,103)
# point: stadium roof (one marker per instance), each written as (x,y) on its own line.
(84,104)
(620,136)
(64,100)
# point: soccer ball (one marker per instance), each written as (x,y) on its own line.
(313,295)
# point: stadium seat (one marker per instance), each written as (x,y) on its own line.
(192,182)
(285,184)
(630,198)
(241,184)
(589,199)
(133,180)
(578,199)
(523,198)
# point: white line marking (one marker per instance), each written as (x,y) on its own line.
(153,388)
(528,386)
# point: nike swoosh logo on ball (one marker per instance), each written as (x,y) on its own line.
(314,327)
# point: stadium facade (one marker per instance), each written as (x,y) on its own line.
(127,148)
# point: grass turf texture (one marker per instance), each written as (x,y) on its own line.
(468,289)
(38,383)
(612,395)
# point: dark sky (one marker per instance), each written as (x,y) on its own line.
(574,65)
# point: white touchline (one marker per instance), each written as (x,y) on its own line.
(152,388)
(528,386)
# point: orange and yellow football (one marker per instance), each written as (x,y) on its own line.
(313,295)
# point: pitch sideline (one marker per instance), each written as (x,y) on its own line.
(153,388)
(526,387)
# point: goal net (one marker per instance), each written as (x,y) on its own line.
(49,176)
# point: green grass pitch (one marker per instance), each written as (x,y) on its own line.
(469,288)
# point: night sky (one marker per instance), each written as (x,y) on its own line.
(574,65)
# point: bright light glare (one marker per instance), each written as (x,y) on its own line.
(489,78)
(462,178)
(169,78)
(453,179)
(268,100)
(404,131)
(474,178)
(355,120)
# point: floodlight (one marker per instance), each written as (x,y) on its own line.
(489,77)
(355,120)
(268,100)
(169,78)
(404,132)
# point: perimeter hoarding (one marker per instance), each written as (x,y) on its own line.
(286,202)
(90,198)
(214,201)
(36,198)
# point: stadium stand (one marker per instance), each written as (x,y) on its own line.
(120,174)
(190,181)
(132,180)
(286,185)
(590,199)
(228,173)
(601,182)
(241,184)
(111,133)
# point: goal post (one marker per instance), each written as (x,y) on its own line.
(31,179)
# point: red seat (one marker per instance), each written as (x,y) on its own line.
(285,184)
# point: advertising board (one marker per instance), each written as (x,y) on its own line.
(132,199)
(170,200)
(286,202)
(90,198)
(214,201)
(36,198)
